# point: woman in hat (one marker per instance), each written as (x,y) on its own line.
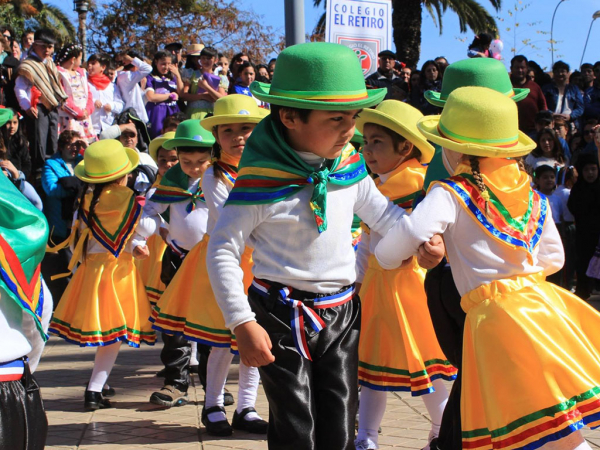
(398,349)
(531,365)
(190,308)
(105,303)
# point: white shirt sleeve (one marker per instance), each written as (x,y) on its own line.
(117,103)
(215,194)
(143,71)
(151,221)
(551,254)
(429,218)
(375,209)
(23,92)
(112,132)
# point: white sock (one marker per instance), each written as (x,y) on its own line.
(435,404)
(194,358)
(248,390)
(217,370)
(103,364)
(370,413)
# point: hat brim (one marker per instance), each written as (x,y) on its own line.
(210,122)
(194,53)
(5,116)
(387,121)
(171,144)
(261,91)
(132,155)
(428,125)
(435,97)
(155,144)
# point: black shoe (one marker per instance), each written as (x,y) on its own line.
(161,373)
(194,369)
(228,398)
(95,400)
(221,428)
(110,392)
(251,426)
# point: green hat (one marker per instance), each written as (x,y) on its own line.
(190,134)
(234,108)
(5,115)
(482,72)
(318,75)
(158,142)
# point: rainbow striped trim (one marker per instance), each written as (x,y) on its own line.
(532,431)
(173,194)
(230,172)
(382,378)
(153,294)
(115,242)
(339,97)
(508,142)
(524,233)
(299,311)
(28,295)
(356,238)
(100,338)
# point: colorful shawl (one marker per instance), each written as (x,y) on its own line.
(271,171)
(173,188)
(44,76)
(516,212)
(404,183)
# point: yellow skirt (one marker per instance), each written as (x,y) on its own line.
(105,302)
(398,348)
(531,364)
(188,305)
(151,267)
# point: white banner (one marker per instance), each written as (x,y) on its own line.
(363,25)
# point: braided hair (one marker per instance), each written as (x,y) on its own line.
(97,190)
(474,162)
(216,153)
(67,52)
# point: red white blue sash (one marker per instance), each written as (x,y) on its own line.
(299,311)
(12,370)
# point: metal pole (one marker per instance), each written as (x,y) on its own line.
(586,42)
(552,30)
(83,34)
(294,22)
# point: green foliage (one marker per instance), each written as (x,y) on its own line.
(33,14)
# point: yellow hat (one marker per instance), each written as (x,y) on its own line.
(234,108)
(194,50)
(402,119)
(478,121)
(157,143)
(105,161)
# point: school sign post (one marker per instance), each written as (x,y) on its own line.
(363,25)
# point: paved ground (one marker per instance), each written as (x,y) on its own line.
(135,423)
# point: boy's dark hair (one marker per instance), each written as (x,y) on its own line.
(45,35)
(545,116)
(161,54)
(111,65)
(518,59)
(560,65)
(586,66)
(65,139)
(303,114)
(197,149)
(102,58)
(210,52)
(245,65)
(173,120)
(596,64)
(481,40)
(540,170)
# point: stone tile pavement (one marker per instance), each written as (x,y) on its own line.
(135,423)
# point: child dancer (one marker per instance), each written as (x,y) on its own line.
(531,370)
(398,349)
(105,303)
(191,308)
(179,190)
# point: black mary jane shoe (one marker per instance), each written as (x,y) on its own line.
(95,400)
(110,392)
(220,428)
(258,426)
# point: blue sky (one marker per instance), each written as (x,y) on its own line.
(570,28)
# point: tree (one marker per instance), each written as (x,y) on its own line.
(32,14)
(146,25)
(407,21)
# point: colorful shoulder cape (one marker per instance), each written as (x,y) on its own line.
(23,237)
(230,172)
(271,171)
(173,188)
(517,226)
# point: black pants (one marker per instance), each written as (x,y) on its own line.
(55,264)
(312,404)
(448,320)
(42,134)
(23,422)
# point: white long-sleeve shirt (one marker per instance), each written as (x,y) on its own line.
(216,192)
(476,259)
(288,247)
(129,85)
(100,117)
(185,229)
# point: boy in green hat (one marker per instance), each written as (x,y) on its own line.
(25,310)
(180,192)
(299,184)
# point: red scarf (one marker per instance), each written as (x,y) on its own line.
(99,81)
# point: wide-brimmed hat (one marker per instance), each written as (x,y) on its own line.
(158,142)
(106,160)
(482,72)
(5,116)
(402,119)
(234,108)
(190,134)
(194,50)
(318,75)
(478,121)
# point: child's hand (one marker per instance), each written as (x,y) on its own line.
(9,167)
(98,104)
(164,233)
(254,344)
(107,108)
(431,253)
(32,112)
(141,252)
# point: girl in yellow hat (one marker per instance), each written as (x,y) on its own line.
(531,351)
(398,349)
(105,303)
(194,312)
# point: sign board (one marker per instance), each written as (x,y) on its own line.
(363,25)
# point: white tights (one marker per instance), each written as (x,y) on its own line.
(103,364)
